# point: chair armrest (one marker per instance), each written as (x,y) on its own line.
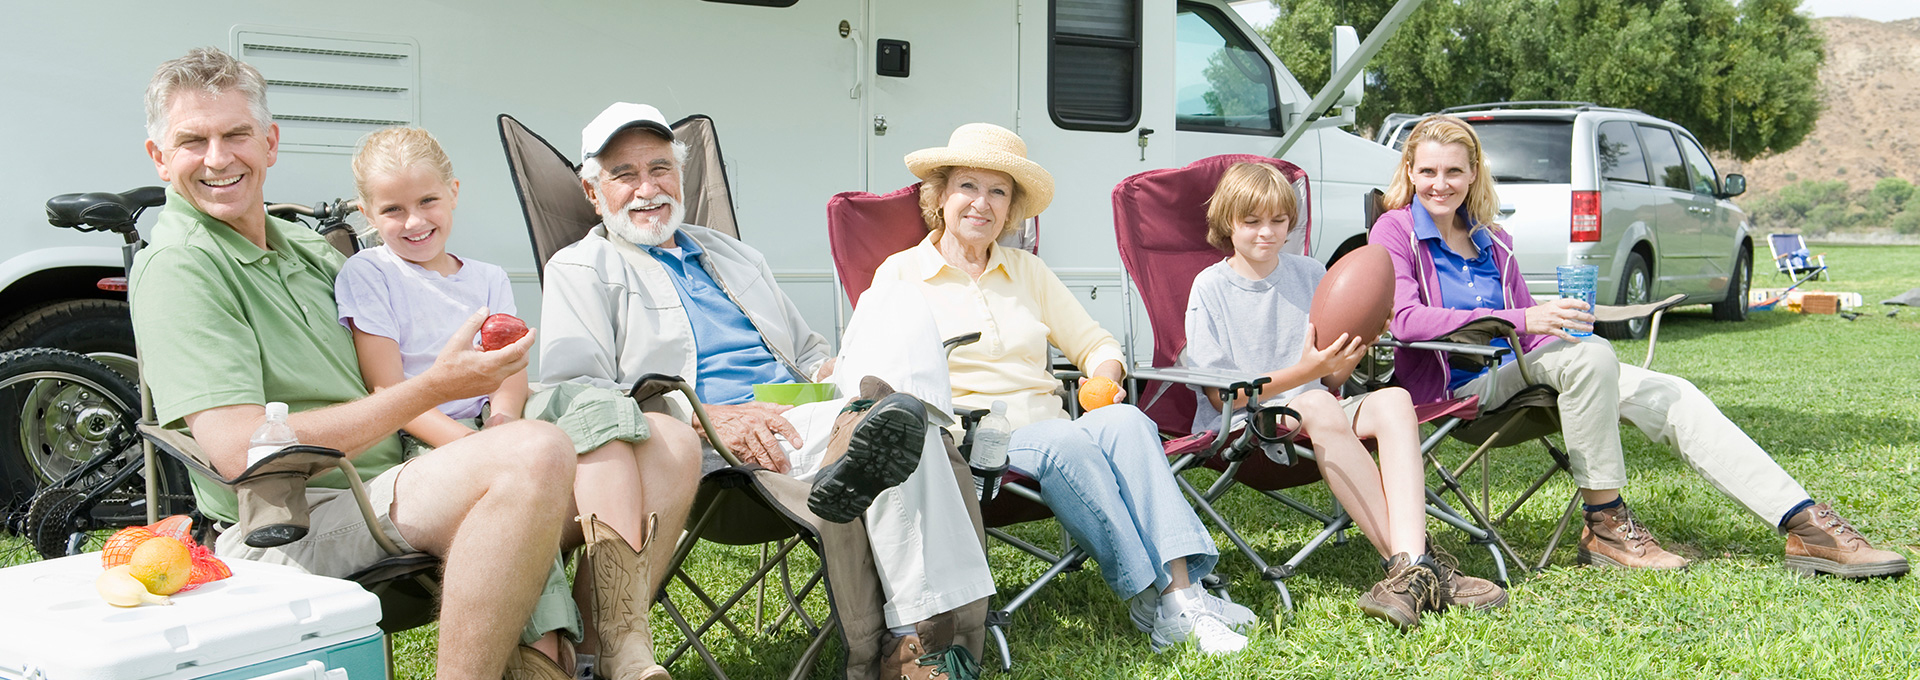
(1489,351)
(1627,312)
(1232,382)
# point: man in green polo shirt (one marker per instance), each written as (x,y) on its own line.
(235,309)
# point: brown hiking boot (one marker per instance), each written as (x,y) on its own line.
(875,444)
(621,597)
(928,654)
(1820,541)
(1460,590)
(1614,538)
(1408,589)
(527,663)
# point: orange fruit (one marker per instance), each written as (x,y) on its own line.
(121,544)
(162,563)
(1097,392)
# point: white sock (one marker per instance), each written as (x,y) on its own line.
(903,631)
(1171,604)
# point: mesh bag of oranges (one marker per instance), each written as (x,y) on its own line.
(164,556)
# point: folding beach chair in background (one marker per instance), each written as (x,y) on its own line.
(737,504)
(1791,257)
(1160,226)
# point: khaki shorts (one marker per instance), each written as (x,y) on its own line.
(337,542)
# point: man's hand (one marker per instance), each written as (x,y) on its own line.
(748,429)
(463,370)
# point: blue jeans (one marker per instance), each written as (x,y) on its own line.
(1106,479)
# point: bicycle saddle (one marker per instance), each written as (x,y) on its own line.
(99,210)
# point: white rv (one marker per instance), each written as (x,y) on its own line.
(809,97)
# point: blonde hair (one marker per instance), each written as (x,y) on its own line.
(390,151)
(933,194)
(1246,189)
(1482,204)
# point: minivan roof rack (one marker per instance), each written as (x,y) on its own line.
(1534,104)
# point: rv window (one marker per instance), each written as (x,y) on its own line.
(1222,83)
(759,3)
(1093,66)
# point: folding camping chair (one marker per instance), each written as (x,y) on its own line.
(863,229)
(1791,257)
(1160,225)
(737,504)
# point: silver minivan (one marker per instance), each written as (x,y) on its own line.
(1617,188)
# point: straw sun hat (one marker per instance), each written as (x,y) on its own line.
(991,147)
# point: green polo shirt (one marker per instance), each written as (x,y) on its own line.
(221,322)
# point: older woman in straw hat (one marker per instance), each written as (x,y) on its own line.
(1103,475)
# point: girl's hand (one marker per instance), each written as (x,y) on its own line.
(499,419)
(1556,317)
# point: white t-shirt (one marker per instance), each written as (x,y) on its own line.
(419,309)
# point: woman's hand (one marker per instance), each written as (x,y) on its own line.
(1111,370)
(1338,359)
(1556,317)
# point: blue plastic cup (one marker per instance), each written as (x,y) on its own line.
(1579,281)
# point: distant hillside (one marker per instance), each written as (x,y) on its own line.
(1871,126)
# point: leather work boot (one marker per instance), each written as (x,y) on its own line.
(621,598)
(1460,590)
(875,445)
(1614,538)
(527,663)
(1820,541)
(1408,589)
(928,654)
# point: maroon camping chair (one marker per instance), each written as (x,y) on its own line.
(1160,226)
(863,229)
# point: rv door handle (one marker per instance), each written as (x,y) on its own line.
(879,126)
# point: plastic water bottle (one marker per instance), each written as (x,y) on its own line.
(989,458)
(273,435)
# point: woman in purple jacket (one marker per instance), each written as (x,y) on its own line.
(1453,265)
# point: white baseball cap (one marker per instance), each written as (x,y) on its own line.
(619,117)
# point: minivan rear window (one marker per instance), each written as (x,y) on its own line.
(1528,151)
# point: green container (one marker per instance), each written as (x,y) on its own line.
(795,394)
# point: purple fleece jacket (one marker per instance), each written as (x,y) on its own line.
(1418,314)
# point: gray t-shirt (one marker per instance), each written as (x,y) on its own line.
(1241,325)
(419,309)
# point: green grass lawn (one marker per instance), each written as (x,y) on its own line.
(1836,402)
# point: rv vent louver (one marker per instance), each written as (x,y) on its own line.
(327,91)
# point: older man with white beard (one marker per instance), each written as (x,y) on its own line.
(643,293)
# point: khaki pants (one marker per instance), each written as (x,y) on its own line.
(1597,392)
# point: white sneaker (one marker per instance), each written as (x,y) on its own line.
(1239,618)
(1143,609)
(1206,629)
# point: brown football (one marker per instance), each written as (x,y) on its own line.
(1355,297)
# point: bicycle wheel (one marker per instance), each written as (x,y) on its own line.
(75,442)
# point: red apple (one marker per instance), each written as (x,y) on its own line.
(501,330)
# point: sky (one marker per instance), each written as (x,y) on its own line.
(1259,12)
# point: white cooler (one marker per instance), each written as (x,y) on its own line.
(267,621)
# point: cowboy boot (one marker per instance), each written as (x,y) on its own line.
(527,663)
(874,446)
(621,597)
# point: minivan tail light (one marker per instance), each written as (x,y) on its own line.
(1586,217)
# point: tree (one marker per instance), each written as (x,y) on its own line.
(1743,79)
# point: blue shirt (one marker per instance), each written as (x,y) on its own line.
(1465,283)
(733,357)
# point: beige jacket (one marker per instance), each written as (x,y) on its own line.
(610,313)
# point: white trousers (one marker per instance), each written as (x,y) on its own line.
(924,548)
(1597,392)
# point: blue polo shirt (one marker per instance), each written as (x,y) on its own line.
(1465,283)
(733,356)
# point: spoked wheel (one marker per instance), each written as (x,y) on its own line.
(72,461)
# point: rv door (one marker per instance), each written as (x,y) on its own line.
(930,68)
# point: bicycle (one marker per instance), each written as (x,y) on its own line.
(75,466)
